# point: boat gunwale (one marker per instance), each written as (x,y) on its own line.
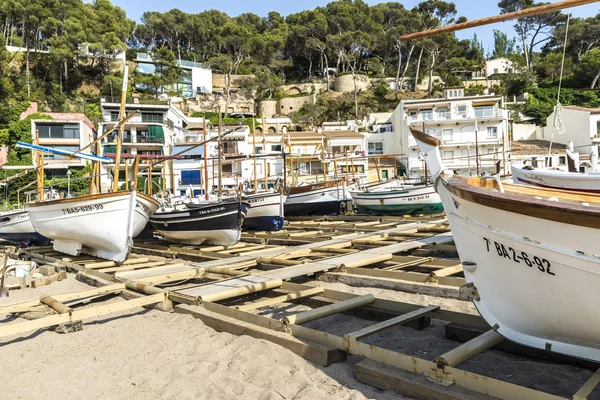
(578,214)
(89,197)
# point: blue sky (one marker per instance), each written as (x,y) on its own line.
(472,9)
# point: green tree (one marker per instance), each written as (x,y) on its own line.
(503,46)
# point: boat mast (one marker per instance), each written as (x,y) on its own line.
(254,152)
(121,129)
(477,148)
(220,163)
(39,156)
(205,159)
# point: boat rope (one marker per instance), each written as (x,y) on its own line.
(558,126)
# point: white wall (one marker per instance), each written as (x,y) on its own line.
(524,131)
(202,77)
(578,129)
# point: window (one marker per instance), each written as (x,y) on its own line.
(447,134)
(597,128)
(384,174)
(492,132)
(412,114)
(227,168)
(257,149)
(51,131)
(146,68)
(152,117)
(426,114)
(151,152)
(442,112)
(114,115)
(496,71)
(190,177)
(461,110)
(448,154)
(582,169)
(484,111)
(562,160)
(357,168)
(275,147)
(375,147)
(384,128)
(170,124)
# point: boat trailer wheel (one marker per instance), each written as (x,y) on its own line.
(343,207)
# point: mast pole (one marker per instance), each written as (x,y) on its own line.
(254,152)
(121,129)
(220,163)
(205,158)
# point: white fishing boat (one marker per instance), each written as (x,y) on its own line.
(530,256)
(322,198)
(101,225)
(398,200)
(16,227)
(265,212)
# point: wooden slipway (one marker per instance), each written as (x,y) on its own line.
(269,279)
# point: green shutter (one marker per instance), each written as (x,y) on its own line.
(156,134)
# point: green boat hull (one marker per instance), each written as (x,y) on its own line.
(401,209)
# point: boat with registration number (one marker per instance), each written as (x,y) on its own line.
(529,256)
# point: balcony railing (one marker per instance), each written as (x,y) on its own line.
(435,116)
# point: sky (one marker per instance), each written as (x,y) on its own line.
(472,9)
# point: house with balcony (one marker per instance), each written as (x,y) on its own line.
(150,133)
(582,128)
(195,78)
(489,74)
(320,155)
(473,131)
(65,131)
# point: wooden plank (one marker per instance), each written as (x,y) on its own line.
(133,267)
(317,353)
(527,12)
(448,271)
(280,299)
(390,323)
(588,387)
(84,313)
(21,306)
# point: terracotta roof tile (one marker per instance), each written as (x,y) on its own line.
(535,147)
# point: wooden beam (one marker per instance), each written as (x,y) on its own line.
(84,313)
(588,387)
(281,299)
(528,12)
(390,323)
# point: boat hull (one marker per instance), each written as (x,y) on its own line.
(16,227)
(218,224)
(538,292)
(265,212)
(419,200)
(557,179)
(100,225)
(320,199)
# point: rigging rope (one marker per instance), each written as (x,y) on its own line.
(558,125)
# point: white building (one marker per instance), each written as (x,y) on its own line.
(150,134)
(195,77)
(467,126)
(65,131)
(581,126)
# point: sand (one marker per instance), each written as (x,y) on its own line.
(146,354)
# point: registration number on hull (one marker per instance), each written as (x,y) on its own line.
(82,209)
(518,257)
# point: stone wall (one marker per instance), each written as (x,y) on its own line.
(285,106)
(218,80)
(297,88)
(239,101)
(345,83)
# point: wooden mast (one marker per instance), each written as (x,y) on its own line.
(528,12)
(39,156)
(121,129)
(219,162)
(205,159)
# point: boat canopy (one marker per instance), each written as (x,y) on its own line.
(60,152)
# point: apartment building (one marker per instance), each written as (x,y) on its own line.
(473,131)
(150,133)
(195,78)
(65,131)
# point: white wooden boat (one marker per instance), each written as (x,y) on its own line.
(531,256)
(402,200)
(15,226)
(101,225)
(322,198)
(265,212)
(555,178)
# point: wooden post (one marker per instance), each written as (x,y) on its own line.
(163,176)
(335,169)
(377,169)
(121,129)
(39,155)
(477,147)
(469,158)
(205,158)
(254,152)
(149,179)
(136,166)
(503,152)
(352,165)
(126,174)
(220,164)
(266,173)
(347,166)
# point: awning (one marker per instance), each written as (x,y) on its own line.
(485,103)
